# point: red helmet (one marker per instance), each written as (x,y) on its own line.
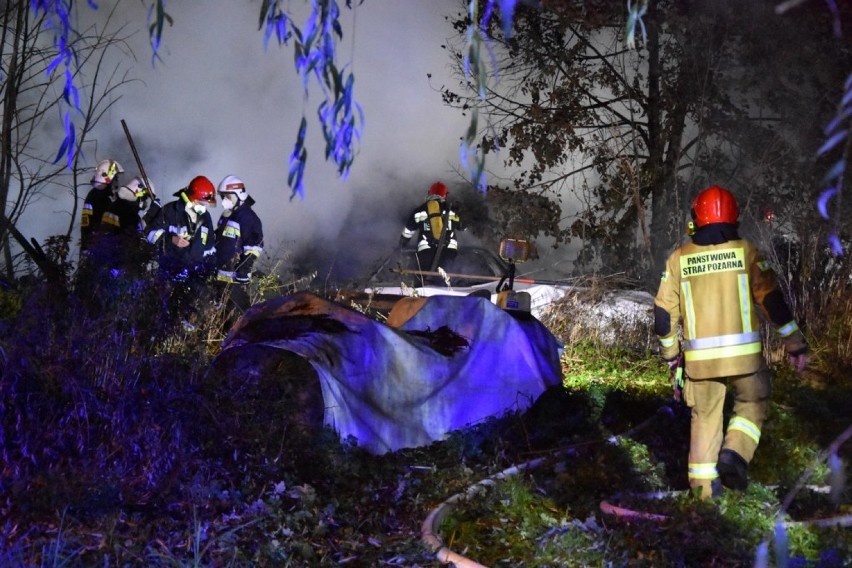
(715,205)
(201,189)
(438,189)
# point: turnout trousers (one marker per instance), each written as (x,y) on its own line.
(706,399)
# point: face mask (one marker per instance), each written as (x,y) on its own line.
(227,203)
(199,208)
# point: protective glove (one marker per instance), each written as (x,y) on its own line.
(677,375)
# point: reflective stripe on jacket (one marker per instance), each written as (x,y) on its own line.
(714,292)
(239,242)
(428,221)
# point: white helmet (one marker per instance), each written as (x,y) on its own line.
(234,185)
(134,190)
(106,172)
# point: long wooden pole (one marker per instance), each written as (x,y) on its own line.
(138,161)
(478,277)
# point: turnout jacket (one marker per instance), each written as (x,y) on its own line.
(172,220)
(429,219)
(714,289)
(122,216)
(239,242)
(96,203)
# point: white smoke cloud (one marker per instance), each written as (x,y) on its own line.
(218,103)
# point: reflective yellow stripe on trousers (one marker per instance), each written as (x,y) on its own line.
(702,471)
(745,426)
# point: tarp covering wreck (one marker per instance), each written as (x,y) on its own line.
(454,362)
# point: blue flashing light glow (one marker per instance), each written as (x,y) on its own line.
(837,131)
(634,18)
(57,18)
(822,202)
(340,117)
(834,242)
(157,16)
(455,362)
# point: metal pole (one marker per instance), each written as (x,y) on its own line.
(138,161)
(482,278)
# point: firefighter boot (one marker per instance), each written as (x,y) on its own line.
(733,470)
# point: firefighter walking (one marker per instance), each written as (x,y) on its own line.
(711,291)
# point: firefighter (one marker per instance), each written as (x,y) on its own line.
(711,290)
(122,214)
(182,233)
(104,184)
(435,221)
(239,240)
(122,224)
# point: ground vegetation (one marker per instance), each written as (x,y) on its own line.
(123,444)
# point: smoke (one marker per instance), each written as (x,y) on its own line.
(217,103)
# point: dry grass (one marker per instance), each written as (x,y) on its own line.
(602,311)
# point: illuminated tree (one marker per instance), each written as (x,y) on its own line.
(33,93)
(707,95)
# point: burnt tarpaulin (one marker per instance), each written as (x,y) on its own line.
(455,362)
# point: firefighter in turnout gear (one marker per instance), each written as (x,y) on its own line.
(239,240)
(104,184)
(436,223)
(121,222)
(183,234)
(122,214)
(711,291)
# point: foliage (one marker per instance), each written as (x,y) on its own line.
(816,283)
(36,44)
(340,116)
(630,134)
(130,439)
(549,516)
(837,131)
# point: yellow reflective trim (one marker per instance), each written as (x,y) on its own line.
(745,302)
(702,471)
(723,352)
(689,322)
(154,235)
(668,341)
(745,426)
(111,219)
(722,340)
(788,329)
